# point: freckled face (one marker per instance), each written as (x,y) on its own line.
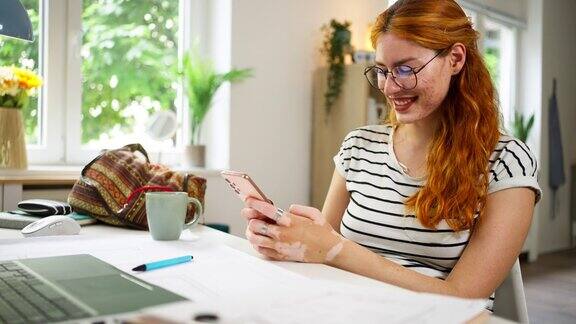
(420,103)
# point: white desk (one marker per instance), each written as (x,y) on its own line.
(313,271)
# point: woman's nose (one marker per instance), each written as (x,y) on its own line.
(390,86)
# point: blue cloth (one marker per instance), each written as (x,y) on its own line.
(555,153)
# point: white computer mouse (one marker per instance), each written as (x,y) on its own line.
(52,225)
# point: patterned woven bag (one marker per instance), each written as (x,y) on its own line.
(112,186)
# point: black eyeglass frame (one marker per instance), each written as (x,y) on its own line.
(415,71)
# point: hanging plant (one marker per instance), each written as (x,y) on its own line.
(336,46)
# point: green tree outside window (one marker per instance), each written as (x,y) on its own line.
(129,65)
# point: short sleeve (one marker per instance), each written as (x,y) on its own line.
(342,158)
(513,166)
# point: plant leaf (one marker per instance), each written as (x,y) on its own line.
(201,81)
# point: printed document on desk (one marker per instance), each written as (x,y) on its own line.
(333,304)
(246,289)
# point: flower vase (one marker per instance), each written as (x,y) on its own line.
(12,139)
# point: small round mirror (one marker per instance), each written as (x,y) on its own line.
(162,125)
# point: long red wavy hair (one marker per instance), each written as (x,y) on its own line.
(458,157)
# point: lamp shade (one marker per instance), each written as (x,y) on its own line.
(14,20)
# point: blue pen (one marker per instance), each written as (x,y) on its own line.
(163,263)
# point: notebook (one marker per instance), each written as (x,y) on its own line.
(71,287)
(18,219)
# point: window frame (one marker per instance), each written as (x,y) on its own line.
(60,64)
(507,89)
(508,101)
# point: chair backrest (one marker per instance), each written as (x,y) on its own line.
(509,300)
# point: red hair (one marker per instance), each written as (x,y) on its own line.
(458,157)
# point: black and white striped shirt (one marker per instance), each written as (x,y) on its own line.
(378,187)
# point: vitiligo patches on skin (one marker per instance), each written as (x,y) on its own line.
(303,247)
(293,251)
(334,251)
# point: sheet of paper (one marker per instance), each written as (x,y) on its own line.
(335,304)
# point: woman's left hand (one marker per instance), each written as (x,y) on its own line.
(301,234)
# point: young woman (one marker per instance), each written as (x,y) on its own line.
(437,199)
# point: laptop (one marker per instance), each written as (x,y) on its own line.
(63,288)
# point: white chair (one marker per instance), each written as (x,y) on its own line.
(509,300)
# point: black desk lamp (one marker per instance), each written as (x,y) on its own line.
(14,20)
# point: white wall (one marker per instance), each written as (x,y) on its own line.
(558,54)
(270,114)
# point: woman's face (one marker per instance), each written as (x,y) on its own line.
(433,81)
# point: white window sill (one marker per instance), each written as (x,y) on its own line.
(72,172)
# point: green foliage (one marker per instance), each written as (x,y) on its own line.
(520,128)
(492,59)
(21,100)
(337,38)
(201,82)
(129,53)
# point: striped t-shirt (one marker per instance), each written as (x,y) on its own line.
(376,217)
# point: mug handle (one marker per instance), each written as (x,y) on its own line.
(198,212)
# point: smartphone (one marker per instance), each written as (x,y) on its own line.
(243,185)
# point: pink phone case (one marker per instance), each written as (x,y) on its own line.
(243,185)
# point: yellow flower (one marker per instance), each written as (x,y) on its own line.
(26,78)
(16,85)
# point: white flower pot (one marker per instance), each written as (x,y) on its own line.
(194,156)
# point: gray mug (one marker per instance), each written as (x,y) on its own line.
(166,214)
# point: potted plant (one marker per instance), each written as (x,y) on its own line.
(337,37)
(520,128)
(201,81)
(16,85)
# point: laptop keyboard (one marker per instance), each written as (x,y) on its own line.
(26,299)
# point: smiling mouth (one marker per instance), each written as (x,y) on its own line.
(402,104)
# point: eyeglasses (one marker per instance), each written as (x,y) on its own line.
(403,75)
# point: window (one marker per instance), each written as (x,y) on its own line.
(498,43)
(26,55)
(500,56)
(107,65)
(129,69)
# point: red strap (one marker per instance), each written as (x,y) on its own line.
(145,189)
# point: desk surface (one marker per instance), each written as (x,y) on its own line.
(312,271)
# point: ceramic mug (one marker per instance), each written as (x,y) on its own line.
(166,214)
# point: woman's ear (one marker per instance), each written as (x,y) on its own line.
(457,56)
